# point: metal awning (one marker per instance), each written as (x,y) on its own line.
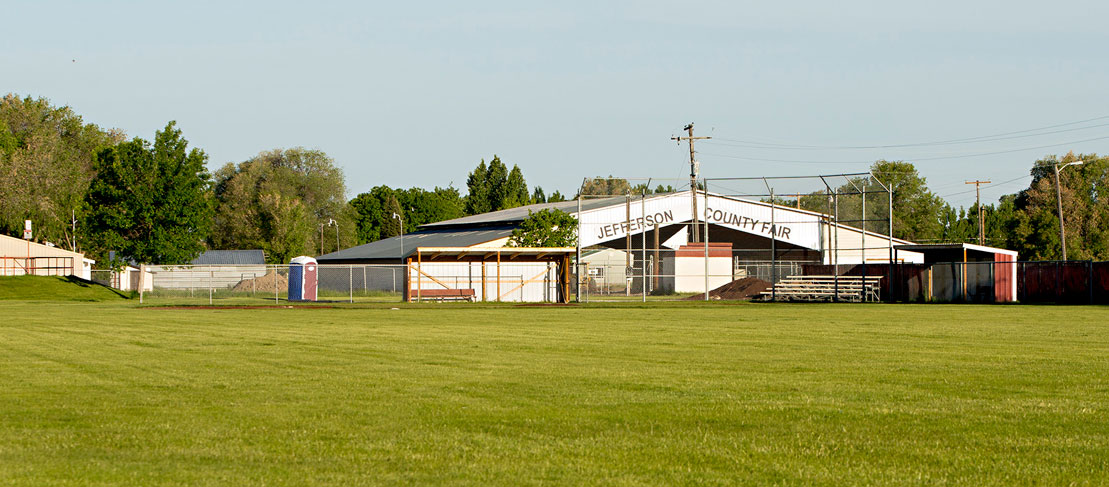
(510,253)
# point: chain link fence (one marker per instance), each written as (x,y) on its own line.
(256,283)
(606,274)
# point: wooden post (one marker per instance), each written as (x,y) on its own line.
(142,280)
(964,273)
(484,293)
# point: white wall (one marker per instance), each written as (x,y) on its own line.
(689,273)
(201,277)
(519,281)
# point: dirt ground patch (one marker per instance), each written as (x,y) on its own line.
(746,288)
(266,283)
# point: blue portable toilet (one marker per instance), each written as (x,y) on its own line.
(303,272)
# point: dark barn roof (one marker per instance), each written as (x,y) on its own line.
(230,257)
(513,216)
(390,248)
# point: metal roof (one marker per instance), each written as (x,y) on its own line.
(508,252)
(516,215)
(953,246)
(230,257)
(390,248)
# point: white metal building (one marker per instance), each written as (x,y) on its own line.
(20,257)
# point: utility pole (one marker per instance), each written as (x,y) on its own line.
(693,170)
(978,203)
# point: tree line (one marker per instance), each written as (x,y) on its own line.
(94,190)
(1026,221)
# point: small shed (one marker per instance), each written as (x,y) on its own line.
(20,257)
(967,272)
(521,274)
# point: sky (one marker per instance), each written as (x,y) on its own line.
(410,94)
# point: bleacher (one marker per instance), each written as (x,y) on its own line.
(855,289)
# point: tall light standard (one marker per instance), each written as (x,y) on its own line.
(330,222)
(1059,202)
(401,220)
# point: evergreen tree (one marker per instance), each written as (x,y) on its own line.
(392,226)
(494,187)
(477,185)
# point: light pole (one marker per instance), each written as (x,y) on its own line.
(331,222)
(1059,203)
(401,220)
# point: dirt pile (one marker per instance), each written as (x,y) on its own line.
(746,288)
(265,283)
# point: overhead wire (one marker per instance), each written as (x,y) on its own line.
(965,140)
(961,156)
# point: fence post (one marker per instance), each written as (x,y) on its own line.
(1090,279)
(350,270)
(1058,283)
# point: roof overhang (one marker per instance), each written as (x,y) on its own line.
(511,253)
(954,246)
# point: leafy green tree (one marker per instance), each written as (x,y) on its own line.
(278,201)
(47,159)
(555,197)
(957,226)
(915,208)
(150,203)
(418,207)
(422,206)
(370,213)
(1035,226)
(918,214)
(609,186)
(538,196)
(546,228)
(643,189)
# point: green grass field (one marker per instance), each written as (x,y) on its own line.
(111,393)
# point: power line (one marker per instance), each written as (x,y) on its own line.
(981,138)
(988,186)
(759,159)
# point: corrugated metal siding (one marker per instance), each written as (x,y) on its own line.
(230,257)
(45,259)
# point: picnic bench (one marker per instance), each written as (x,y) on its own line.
(444,294)
(826,288)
